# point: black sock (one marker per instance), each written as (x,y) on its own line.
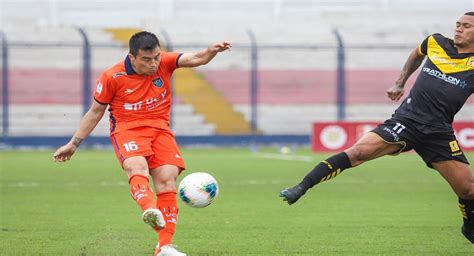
(326,170)
(467,211)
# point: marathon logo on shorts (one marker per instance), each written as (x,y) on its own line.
(158,82)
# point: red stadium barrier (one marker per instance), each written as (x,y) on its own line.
(337,136)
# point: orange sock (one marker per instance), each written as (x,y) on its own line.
(166,203)
(141,192)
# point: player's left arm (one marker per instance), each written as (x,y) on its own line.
(202,57)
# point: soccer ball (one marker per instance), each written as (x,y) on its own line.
(198,189)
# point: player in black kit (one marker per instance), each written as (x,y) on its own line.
(422,122)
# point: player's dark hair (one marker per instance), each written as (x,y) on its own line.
(469,13)
(144,40)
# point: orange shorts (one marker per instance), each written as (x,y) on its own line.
(156,145)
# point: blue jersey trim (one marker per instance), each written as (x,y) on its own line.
(177,59)
(128,67)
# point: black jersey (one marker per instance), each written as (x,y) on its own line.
(443,86)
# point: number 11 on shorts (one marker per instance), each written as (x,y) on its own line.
(398,128)
(130,146)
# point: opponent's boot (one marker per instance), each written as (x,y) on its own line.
(468,233)
(291,195)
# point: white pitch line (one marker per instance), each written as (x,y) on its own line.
(284,157)
(66,184)
(254,182)
(20,184)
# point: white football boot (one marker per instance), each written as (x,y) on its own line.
(154,218)
(168,250)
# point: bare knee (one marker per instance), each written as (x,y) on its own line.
(462,183)
(164,181)
(165,185)
(164,178)
(369,147)
(459,176)
(135,165)
(356,155)
(466,191)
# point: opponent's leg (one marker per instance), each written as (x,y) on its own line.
(467,211)
(369,147)
(164,178)
(136,169)
(325,170)
(460,178)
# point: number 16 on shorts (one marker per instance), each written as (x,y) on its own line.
(130,146)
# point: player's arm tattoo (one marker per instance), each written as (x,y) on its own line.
(411,66)
(76,141)
(412,63)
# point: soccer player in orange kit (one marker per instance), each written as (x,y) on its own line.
(138,93)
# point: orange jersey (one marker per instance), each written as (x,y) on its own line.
(137,100)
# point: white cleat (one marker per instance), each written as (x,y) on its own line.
(154,218)
(168,250)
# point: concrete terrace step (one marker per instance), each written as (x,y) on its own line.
(64,120)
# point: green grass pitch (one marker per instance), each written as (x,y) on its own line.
(390,206)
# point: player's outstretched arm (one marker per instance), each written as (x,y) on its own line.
(413,62)
(88,122)
(203,57)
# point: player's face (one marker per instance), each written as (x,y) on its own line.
(146,62)
(464,33)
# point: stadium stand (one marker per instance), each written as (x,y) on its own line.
(46,83)
(296,82)
(63,120)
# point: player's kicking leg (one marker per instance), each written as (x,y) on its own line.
(325,170)
(154,218)
(142,193)
(369,147)
(145,198)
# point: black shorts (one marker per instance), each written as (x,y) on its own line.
(432,147)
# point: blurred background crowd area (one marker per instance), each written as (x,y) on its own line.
(294,62)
